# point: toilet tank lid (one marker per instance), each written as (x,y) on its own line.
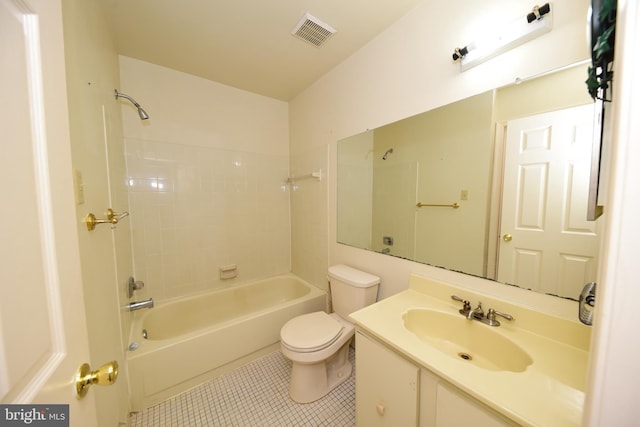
(352,276)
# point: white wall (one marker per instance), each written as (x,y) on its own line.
(405,71)
(205,176)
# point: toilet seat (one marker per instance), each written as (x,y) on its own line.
(310,332)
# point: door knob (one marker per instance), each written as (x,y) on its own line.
(507,237)
(104,375)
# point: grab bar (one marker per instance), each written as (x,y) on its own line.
(455,205)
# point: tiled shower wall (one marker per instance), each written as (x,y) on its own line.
(195,209)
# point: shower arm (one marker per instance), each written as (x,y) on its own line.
(143,114)
(125,96)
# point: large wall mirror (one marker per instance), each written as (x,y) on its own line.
(494,185)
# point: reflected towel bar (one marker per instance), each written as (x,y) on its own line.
(455,205)
(316,175)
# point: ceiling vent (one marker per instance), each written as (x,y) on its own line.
(312,30)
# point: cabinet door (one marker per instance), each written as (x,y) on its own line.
(386,386)
(454,408)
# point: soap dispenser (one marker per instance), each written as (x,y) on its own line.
(586,303)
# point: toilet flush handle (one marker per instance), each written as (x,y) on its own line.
(380,409)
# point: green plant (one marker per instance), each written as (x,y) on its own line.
(603,34)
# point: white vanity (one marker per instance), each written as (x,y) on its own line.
(420,362)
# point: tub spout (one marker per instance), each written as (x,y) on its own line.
(137,305)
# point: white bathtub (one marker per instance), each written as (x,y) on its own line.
(192,340)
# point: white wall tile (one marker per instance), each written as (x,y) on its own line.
(206,190)
(183,233)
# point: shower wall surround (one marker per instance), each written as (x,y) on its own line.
(309,216)
(206,180)
(197,208)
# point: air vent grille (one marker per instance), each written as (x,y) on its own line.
(312,30)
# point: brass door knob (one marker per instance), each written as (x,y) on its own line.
(91,221)
(507,237)
(104,375)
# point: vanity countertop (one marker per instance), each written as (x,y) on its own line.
(549,392)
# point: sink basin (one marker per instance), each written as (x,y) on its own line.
(466,340)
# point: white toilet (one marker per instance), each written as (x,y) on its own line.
(318,343)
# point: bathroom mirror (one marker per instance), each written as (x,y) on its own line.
(494,185)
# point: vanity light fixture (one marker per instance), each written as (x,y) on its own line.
(460,52)
(538,12)
(520,31)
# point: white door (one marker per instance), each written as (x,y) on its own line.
(546,243)
(43,336)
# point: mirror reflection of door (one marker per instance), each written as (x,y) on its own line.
(546,243)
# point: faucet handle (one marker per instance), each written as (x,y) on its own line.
(457,298)
(466,305)
(491,317)
(134,285)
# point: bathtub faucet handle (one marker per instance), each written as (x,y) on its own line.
(134,285)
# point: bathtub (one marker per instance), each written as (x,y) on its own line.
(194,339)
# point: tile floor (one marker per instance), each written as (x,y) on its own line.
(252,395)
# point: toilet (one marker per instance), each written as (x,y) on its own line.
(318,343)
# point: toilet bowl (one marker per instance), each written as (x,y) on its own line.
(320,354)
(318,343)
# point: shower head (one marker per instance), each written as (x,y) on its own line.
(143,114)
(389,151)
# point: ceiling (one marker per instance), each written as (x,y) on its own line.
(248,44)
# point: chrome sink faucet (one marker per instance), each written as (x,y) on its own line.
(478,313)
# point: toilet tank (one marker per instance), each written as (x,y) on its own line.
(351,289)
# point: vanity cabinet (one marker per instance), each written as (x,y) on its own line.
(386,386)
(393,391)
